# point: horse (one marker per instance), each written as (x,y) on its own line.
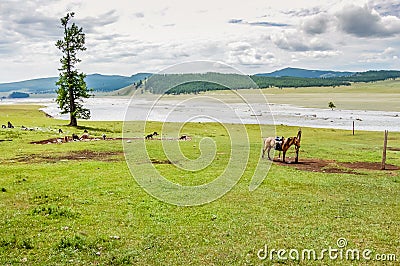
(288,143)
(270,143)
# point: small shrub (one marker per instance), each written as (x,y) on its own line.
(76,242)
(128,258)
(10,242)
(27,244)
(13,242)
(55,211)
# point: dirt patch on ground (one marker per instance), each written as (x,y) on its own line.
(84,155)
(370,166)
(69,139)
(65,140)
(332,166)
(155,161)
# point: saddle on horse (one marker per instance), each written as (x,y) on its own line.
(278,143)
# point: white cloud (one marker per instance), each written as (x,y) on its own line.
(316,24)
(299,42)
(388,55)
(366,22)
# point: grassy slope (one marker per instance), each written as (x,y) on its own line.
(383,96)
(66,211)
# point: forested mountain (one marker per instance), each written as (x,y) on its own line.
(96,81)
(305,73)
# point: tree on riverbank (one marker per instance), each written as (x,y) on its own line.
(71,84)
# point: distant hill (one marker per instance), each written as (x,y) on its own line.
(284,78)
(305,73)
(15,95)
(98,82)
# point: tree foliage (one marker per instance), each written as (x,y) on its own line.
(200,82)
(72,88)
(371,76)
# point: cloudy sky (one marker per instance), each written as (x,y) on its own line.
(128,36)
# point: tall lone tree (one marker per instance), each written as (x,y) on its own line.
(72,88)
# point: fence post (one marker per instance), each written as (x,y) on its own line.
(384,150)
(353,128)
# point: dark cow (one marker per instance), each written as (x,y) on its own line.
(75,137)
(183,137)
(150,136)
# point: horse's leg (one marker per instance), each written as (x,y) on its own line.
(269,151)
(263,153)
(283,156)
(297,154)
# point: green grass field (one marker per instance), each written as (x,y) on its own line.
(77,203)
(380,96)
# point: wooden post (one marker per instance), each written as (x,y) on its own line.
(353,128)
(296,160)
(384,150)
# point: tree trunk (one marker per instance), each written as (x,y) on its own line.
(73,121)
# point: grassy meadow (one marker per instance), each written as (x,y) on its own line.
(77,204)
(379,96)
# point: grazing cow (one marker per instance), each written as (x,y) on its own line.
(9,125)
(85,136)
(150,136)
(3,126)
(60,131)
(75,137)
(183,137)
